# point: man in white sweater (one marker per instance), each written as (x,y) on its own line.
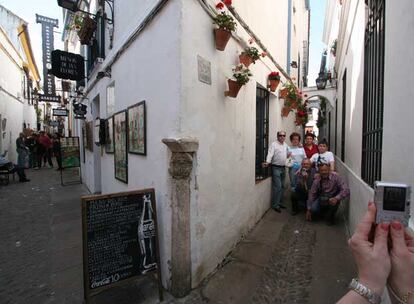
(276,157)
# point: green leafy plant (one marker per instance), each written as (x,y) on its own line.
(241,74)
(76,24)
(253,53)
(225,21)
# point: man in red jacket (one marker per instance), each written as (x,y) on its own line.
(44,145)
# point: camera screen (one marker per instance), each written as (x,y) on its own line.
(394,199)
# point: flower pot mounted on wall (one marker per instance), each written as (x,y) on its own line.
(273,85)
(86,32)
(234,88)
(245,59)
(222,36)
(285,111)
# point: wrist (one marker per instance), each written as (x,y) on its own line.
(375,286)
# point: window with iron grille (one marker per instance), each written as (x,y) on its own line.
(343,117)
(373,104)
(96,49)
(262,131)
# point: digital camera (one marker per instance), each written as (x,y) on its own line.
(392,201)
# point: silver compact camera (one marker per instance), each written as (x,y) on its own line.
(392,201)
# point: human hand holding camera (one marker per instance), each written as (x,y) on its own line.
(377,263)
(333,201)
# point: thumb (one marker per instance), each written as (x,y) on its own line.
(381,237)
(397,237)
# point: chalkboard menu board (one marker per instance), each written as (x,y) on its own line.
(119,237)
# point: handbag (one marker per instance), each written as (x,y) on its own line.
(289,162)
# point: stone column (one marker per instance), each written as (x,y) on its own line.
(181,165)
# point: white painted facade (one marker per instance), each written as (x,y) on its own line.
(161,67)
(15,109)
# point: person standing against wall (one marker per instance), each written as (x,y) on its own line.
(276,157)
(297,155)
(22,158)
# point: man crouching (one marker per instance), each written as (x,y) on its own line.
(327,191)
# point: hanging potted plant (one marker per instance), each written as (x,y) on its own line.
(249,56)
(76,23)
(87,29)
(301,118)
(274,80)
(333,47)
(285,111)
(226,25)
(241,75)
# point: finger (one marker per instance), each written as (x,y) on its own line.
(409,234)
(363,228)
(397,237)
(381,237)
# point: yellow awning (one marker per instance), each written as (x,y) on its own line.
(27,47)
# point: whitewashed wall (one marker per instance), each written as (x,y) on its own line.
(224,192)
(397,163)
(13,106)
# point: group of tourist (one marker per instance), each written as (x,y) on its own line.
(315,186)
(33,150)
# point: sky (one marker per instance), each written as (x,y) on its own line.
(316,46)
(27,9)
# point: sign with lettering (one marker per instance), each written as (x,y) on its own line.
(67,65)
(47,98)
(60,112)
(120,238)
(48,46)
(70,152)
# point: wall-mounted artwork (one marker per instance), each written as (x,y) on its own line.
(137,142)
(109,125)
(120,146)
(89,136)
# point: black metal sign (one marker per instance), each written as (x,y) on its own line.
(60,112)
(67,65)
(47,98)
(48,45)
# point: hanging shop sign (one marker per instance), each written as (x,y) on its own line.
(60,112)
(47,98)
(79,110)
(120,240)
(47,45)
(67,65)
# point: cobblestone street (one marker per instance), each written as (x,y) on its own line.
(282,260)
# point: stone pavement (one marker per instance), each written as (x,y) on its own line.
(284,259)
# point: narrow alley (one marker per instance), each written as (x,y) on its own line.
(284,259)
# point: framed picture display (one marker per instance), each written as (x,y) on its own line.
(120,146)
(109,125)
(137,141)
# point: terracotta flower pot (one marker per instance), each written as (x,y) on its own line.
(293,104)
(222,36)
(234,88)
(285,111)
(86,31)
(273,85)
(283,93)
(245,59)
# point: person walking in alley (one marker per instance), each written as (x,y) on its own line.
(276,157)
(323,156)
(327,191)
(303,182)
(297,154)
(44,143)
(22,157)
(56,150)
(309,146)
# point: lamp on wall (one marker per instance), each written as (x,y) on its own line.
(73,6)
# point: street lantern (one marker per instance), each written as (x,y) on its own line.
(71,5)
(321,82)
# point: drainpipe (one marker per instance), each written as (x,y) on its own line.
(289,36)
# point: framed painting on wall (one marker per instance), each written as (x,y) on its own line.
(137,141)
(109,125)
(120,146)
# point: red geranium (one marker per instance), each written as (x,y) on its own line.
(264,54)
(219,6)
(274,76)
(227,2)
